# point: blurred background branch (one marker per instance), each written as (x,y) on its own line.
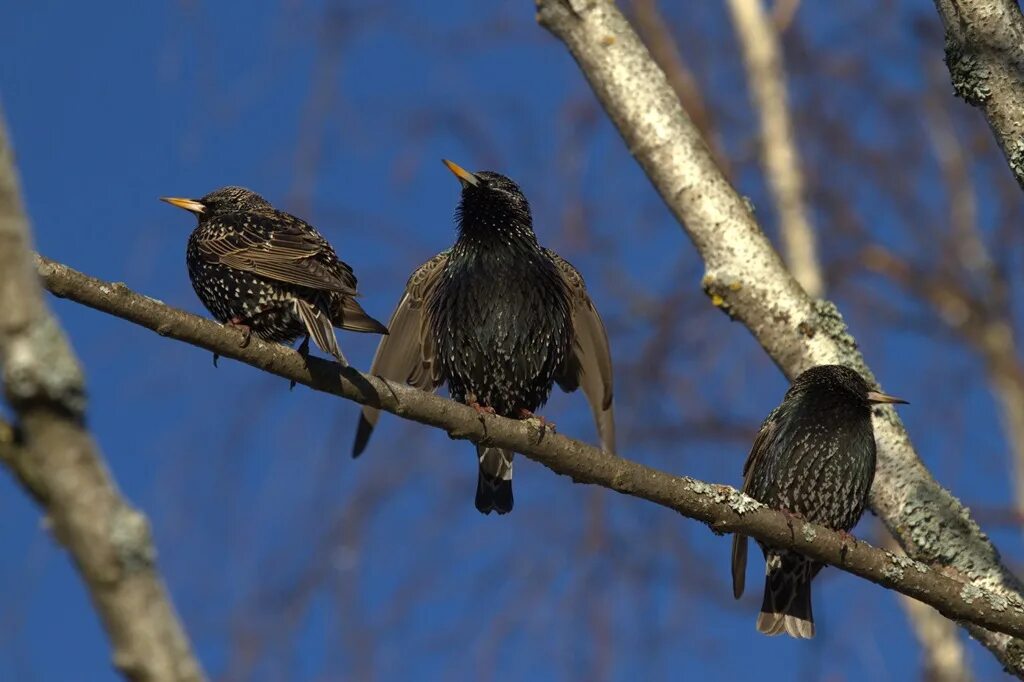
(944,659)
(51,453)
(766,81)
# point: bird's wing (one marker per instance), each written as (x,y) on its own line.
(278,246)
(739,542)
(589,365)
(318,326)
(762,442)
(407,353)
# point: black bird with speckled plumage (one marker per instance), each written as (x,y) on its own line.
(500,319)
(269,272)
(815,457)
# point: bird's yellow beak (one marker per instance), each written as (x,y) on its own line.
(879,397)
(464,176)
(188,204)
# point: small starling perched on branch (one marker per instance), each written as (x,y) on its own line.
(814,457)
(269,272)
(500,319)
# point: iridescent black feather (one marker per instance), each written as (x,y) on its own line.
(500,312)
(500,319)
(814,456)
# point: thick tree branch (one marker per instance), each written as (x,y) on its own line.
(721,507)
(53,456)
(746,279)
(766,80)
(658,36)
(985,57)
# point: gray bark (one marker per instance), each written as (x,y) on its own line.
(985,57)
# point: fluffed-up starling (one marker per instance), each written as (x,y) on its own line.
(500,319)
(270,273)
(814,457)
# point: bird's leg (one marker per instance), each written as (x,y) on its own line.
(303,350)
(545,423)
(523,413)
(216,357)
(846,537)
(239,323)
(472,400)
(790,517)
(481,409)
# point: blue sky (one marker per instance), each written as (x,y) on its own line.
(286,559)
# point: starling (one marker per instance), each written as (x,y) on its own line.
(814,457)
(270,273)
(500,319)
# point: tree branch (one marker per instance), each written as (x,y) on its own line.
(766,80)
(53,456)
(658,36)
(723,508)
(985,57)
(745,278)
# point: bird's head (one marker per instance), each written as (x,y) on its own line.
(220,202)
(490,200)
(840,380)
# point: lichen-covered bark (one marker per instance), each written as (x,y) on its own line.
(985,57)
(747,280)
(53,456)
(723,508)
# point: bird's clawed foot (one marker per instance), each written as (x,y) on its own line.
(238,323)
(792,516)
(849,542)
(544,424)
(481,409)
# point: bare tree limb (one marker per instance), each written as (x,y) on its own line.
(766,80)
(53,456)
(723,508)
(656,33)
(783,13)
(745,278)
(944,657)
(985,57)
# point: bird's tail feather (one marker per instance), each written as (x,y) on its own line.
(787,596)
(739,564)
(494,484)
